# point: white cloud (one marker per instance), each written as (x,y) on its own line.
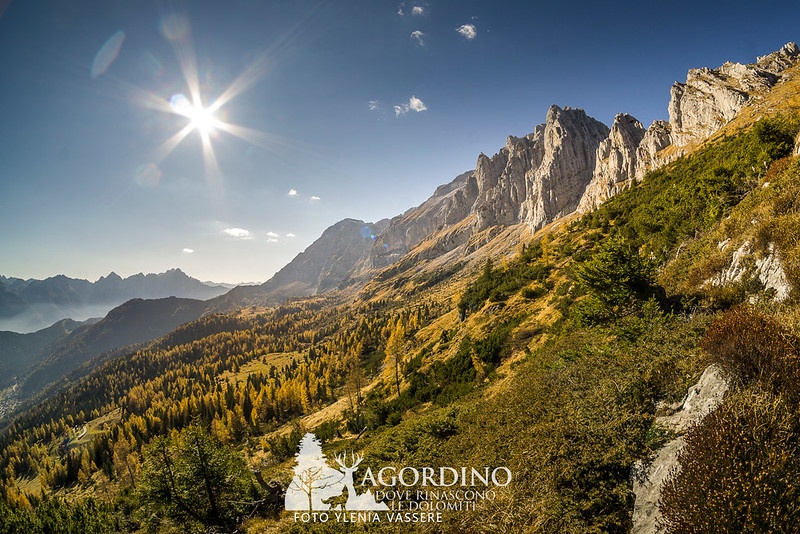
(468,31)
(374,105)
(290,235)
(272,235)
(293,192)
(418,37)
(188,251)
(315,197)
(416,9)
(414,104)
(238,233)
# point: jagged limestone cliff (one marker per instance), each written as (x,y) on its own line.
(617,161)
(570,141)
(533,179)
(711,98)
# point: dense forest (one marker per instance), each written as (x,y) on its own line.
(552,360)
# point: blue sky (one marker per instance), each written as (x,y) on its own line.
(342,109)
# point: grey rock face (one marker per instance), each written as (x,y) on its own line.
(542,176)
(617,161)
(698,108)
(533,179)
(450,204)
(326,263)
(796,150)
(657,137)
(768,268)
(501,180)
(570,140)
(710,98)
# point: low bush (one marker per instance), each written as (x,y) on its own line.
(738,471)
(753,348)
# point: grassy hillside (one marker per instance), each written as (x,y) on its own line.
(552,365)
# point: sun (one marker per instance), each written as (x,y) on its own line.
(201,118)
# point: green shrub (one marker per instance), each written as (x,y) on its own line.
(617,278)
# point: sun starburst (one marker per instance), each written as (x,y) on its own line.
(206,120)
(200,118)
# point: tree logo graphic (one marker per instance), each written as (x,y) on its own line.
(318,487)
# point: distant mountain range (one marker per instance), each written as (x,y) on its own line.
(31,305)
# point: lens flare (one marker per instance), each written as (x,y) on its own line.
(107,54)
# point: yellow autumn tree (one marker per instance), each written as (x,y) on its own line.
(395,350)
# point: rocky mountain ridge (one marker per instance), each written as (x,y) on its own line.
(570,163)
(711,98)
(698,108)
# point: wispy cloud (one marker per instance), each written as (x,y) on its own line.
(374,105)
(272,234)
(272,237)
(188,251)
(315,197)
(414,104)
(290,235)
(417,36)
(468,31)
(293,192)
(416,9)
(238,233)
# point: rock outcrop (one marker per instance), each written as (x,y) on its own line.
(711,98)
(767,267)
(649,478)
(796,151)
(501,180)
(448,205)
(708,100)
(617,162)
(542,176)
(649,155)
(329,263)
